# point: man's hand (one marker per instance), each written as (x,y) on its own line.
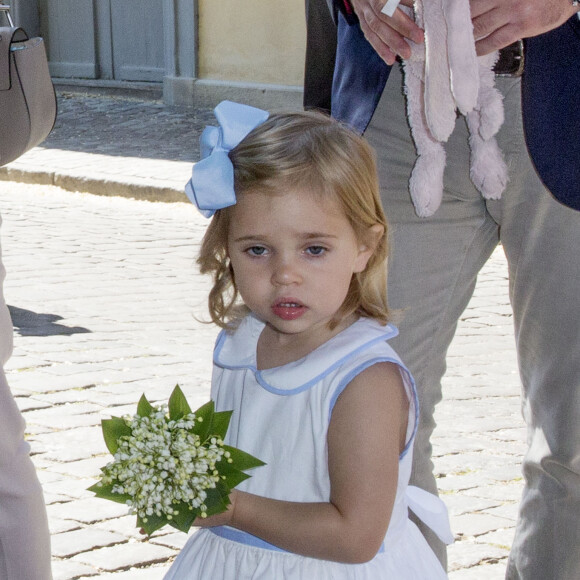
(387,35)
(497,23)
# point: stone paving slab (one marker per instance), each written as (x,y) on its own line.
(116,278)
(68,544)
(123,556)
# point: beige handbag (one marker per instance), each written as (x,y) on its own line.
(27,97)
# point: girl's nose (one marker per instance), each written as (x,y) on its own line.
(285,272)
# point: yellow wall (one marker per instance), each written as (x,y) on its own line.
(252,41)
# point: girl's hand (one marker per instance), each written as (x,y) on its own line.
(387,35)
(223,519)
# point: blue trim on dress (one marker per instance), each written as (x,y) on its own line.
(241,537)
(416,403)
(285,392)
(219,345)
(356,371)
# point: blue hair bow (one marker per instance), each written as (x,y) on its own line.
(211,186)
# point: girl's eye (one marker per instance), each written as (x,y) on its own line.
(316,250)
(257,251)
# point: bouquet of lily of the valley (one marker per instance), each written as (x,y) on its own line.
(170,464)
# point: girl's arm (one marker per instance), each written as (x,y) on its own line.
(365,436)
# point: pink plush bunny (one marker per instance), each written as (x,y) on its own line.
(444,75)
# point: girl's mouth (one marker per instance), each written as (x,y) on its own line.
(288,309)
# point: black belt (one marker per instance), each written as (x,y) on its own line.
(511,60)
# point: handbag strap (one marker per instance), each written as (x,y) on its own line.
(8,35)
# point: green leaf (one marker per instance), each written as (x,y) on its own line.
(144,407)
(217,500)
(206,412)
(220,424)
(203,428)
(185,518)
(105,492)
(113,429)
(234,478)
(178,405)
(243,460)
(152,524)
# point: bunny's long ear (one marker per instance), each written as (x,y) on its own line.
(464,71)
(439,101)
(489,100)
(488,169)
(426,182)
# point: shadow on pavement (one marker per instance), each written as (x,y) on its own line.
(29,323)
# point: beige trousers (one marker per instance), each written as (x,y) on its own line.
(432,273)
(24,536)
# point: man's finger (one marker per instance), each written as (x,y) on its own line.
(380,47)
(405,26)
(499,39)
(388,36)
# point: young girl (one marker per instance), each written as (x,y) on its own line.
(297,249)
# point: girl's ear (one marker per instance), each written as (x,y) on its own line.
(367,248)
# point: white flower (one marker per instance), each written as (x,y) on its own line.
(162,463)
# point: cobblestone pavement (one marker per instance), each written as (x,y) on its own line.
(105,297)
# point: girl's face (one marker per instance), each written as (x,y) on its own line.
(293,257)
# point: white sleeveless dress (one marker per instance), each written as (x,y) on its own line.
(281,415)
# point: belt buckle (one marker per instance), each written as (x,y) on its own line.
(511,60)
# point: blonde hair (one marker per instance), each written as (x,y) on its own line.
(311,151)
